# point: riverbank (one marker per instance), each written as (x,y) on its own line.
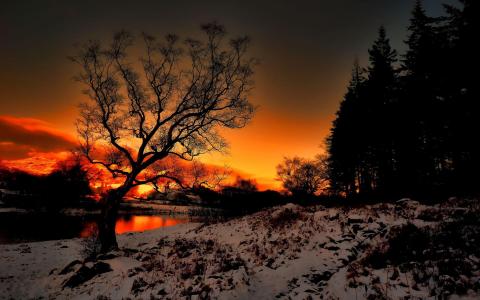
(384,250)
(18,225)
(133,206)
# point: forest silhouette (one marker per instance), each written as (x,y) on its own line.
(408,124)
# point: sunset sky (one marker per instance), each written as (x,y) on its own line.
(306,48)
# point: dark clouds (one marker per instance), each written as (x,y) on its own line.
(307,47)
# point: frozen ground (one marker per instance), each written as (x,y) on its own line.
(287,252)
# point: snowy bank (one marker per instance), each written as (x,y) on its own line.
(283,252)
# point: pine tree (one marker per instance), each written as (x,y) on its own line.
(420,42)
(380,98)
(344,142)
(421,143)
(462,94)
(381,74)
(413,132)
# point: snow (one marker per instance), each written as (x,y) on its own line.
(283,252)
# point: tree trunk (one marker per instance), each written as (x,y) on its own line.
(106,226)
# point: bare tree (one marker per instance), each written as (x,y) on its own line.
(301,176)
(192,176)
(203,176)
(170,102)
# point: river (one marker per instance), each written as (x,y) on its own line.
(26,227)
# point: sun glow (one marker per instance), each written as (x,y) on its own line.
(142,223)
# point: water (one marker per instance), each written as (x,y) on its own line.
(18,228)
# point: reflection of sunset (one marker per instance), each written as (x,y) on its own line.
(142,223)
(134,224)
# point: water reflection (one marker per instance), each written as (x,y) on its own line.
(142,223)
(17,228)
(134,223)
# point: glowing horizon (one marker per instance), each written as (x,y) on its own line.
(304,70)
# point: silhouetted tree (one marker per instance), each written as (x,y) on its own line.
(185,93)
(422,138)
(66,186)
(412,131)
(189,176)
(380,100)
(345,142)
(248,185)
(461,92)
(361,142)
(302,177)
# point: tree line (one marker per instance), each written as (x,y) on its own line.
(408,124)
(68,185)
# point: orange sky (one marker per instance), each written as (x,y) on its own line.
(282,126)
(36,145)
(306,49)
(276,130)
(293,118)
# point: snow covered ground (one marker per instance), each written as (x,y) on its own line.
(284,252)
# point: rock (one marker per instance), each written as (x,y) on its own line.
(82,275)
(106,256)
(129,252)
(85,273)
(101,267)
(70,267)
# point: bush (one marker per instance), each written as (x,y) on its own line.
(285,217)
(445,255)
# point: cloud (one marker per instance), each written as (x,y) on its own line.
(39,163)
(24,137)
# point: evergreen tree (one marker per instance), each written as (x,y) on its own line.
(418,59)
(413,132)
(380,98)
(344,142)
(361,141)
(461,93)
(421,143)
